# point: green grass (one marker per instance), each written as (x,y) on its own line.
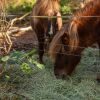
(41,84)
(20,6)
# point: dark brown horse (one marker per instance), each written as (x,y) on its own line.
(81,32)
(45,27)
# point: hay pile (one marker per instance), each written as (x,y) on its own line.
(42,84)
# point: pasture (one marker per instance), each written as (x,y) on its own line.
(39,82)
(22,77)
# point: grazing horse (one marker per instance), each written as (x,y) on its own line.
(45,28)
(81,32)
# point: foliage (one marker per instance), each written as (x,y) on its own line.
(21,6)
(19,61)
(65,7)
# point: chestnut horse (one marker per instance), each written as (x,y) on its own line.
(81,32)
(45,27)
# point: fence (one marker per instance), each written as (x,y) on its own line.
(6,27)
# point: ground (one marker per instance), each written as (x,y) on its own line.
(24,40)
(43,85)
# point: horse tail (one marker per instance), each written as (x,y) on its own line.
(73,36)
(55,44)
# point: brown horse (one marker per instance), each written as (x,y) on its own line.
(45,27)
(68,44)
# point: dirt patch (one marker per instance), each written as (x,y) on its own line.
(24,40)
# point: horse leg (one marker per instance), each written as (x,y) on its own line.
(41,47)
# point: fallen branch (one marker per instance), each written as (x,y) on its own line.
(13,30)
(7,29)
(19,19)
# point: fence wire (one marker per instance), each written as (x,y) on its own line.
(64,53)
(90,56)
(65,17)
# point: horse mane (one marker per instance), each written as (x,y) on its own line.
(43,8)
(46,7)
(90,9)
(77,23)
(55,44)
